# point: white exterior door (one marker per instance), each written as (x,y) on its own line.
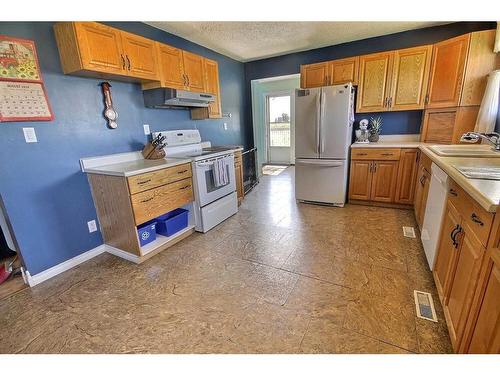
(279,128)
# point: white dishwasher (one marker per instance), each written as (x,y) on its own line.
(434,210)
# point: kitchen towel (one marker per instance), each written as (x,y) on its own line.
(488,111)
(219,171)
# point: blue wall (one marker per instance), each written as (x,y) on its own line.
(407,122)
(46,195)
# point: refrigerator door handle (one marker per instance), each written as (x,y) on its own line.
(318,120)
(321,163)
(322,115)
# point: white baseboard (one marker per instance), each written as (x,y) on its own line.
(64,266)
(122,254)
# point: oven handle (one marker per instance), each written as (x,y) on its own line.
(211,161)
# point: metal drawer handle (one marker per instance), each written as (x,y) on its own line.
(476,219)
(128,60)
(362,154)
(453,192)
(143,182)
(185,187)
(147,200)
(181,172)
(387,154)
(123,62)
(453,235)
(422,180)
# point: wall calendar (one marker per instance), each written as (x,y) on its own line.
(22,92)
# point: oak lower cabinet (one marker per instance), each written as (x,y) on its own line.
(92,49)
(123,203)
(422,184)
(238,166)
(382,175)
(466,230)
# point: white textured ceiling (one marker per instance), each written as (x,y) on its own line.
(246,41)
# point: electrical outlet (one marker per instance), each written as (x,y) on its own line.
(146,129)
(30,135)
(92,226)
(225,126)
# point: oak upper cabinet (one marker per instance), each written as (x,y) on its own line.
(170,65)
(447,72)
(460,67)
(343,70)
(374,82)
(92,49)
(193,71)
(89,46)
(405,186)
(140,55)
(481,61)
(384,181)
(314,75)
(360,180)
(409,78)
(212,86)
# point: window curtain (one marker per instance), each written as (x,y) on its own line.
(488,111)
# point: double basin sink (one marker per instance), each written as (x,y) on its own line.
(487,169)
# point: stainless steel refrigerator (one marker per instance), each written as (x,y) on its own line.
(323,133)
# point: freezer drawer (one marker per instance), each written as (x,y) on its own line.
(321,181)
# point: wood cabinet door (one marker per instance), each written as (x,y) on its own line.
(100,48)
(194,71)
(438,125)
(384,181)
(170,66)
(447,72)
(360,179)
(407,171)
(410,78)
(313,75)
(447,252)
(343,71)
(481,60)
(212,87)
(486,334)
(375,72)
(140,56)
(463,284)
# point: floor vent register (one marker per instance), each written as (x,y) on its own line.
(425,306)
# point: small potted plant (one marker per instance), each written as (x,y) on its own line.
(375,128)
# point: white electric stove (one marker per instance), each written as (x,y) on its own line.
(214,203)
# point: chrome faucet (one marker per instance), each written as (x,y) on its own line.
(473,137)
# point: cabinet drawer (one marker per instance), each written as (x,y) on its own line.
(475,218)
(146,181)
(155,202)
(375,153)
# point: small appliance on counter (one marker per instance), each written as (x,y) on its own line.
(362,134)
(214,179)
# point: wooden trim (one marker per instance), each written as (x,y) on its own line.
(381,204)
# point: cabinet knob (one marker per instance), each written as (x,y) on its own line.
(453,192)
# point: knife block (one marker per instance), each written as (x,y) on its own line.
(151,153)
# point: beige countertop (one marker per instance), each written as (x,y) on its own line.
(485,192)
(134,167)
(388,144)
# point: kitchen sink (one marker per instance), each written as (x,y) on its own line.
(483,173)
(476,151)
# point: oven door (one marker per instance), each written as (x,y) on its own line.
(207,192)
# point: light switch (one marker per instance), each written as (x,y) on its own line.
(30,135)
(146,129)
(92,226)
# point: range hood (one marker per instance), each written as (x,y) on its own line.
(168,98)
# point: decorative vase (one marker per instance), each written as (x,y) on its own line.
(373,137)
